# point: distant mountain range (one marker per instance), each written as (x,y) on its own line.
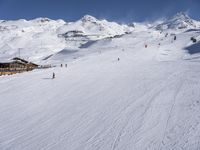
(42,37)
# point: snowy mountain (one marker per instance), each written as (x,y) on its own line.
(119,91)
(34,38)
(41,37)
(179,21)
(44,39)
(92,27)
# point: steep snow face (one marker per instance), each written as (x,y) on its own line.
(35,38)
(179,21)
(89,29)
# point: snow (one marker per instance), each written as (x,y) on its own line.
(41,37)
(149,99)
(179,21)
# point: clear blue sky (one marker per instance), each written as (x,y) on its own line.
(115,10)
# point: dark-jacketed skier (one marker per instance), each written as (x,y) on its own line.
(53,77)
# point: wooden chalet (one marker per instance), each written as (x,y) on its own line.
(16,65)
(27,64)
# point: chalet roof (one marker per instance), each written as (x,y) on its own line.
(5,61)
(24,61)
(18,60)
(12,62)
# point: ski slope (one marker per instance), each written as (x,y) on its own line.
(149,100)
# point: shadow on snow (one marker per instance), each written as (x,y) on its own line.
(193,49)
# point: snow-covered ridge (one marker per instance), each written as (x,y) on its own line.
(179,21)
(40,38)
(91,26)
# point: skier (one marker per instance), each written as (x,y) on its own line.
(145,45)
(193,40)
(118,59)
(61,65)
(66,65)
(53,75)
(174,37)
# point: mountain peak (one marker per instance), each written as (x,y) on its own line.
(179,21)
(89,18)
(41,20)
(180,16)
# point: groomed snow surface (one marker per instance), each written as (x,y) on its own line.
(148,100)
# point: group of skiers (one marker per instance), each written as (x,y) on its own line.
(54,75)
(61,65)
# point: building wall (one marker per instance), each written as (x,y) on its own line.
(15,67)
